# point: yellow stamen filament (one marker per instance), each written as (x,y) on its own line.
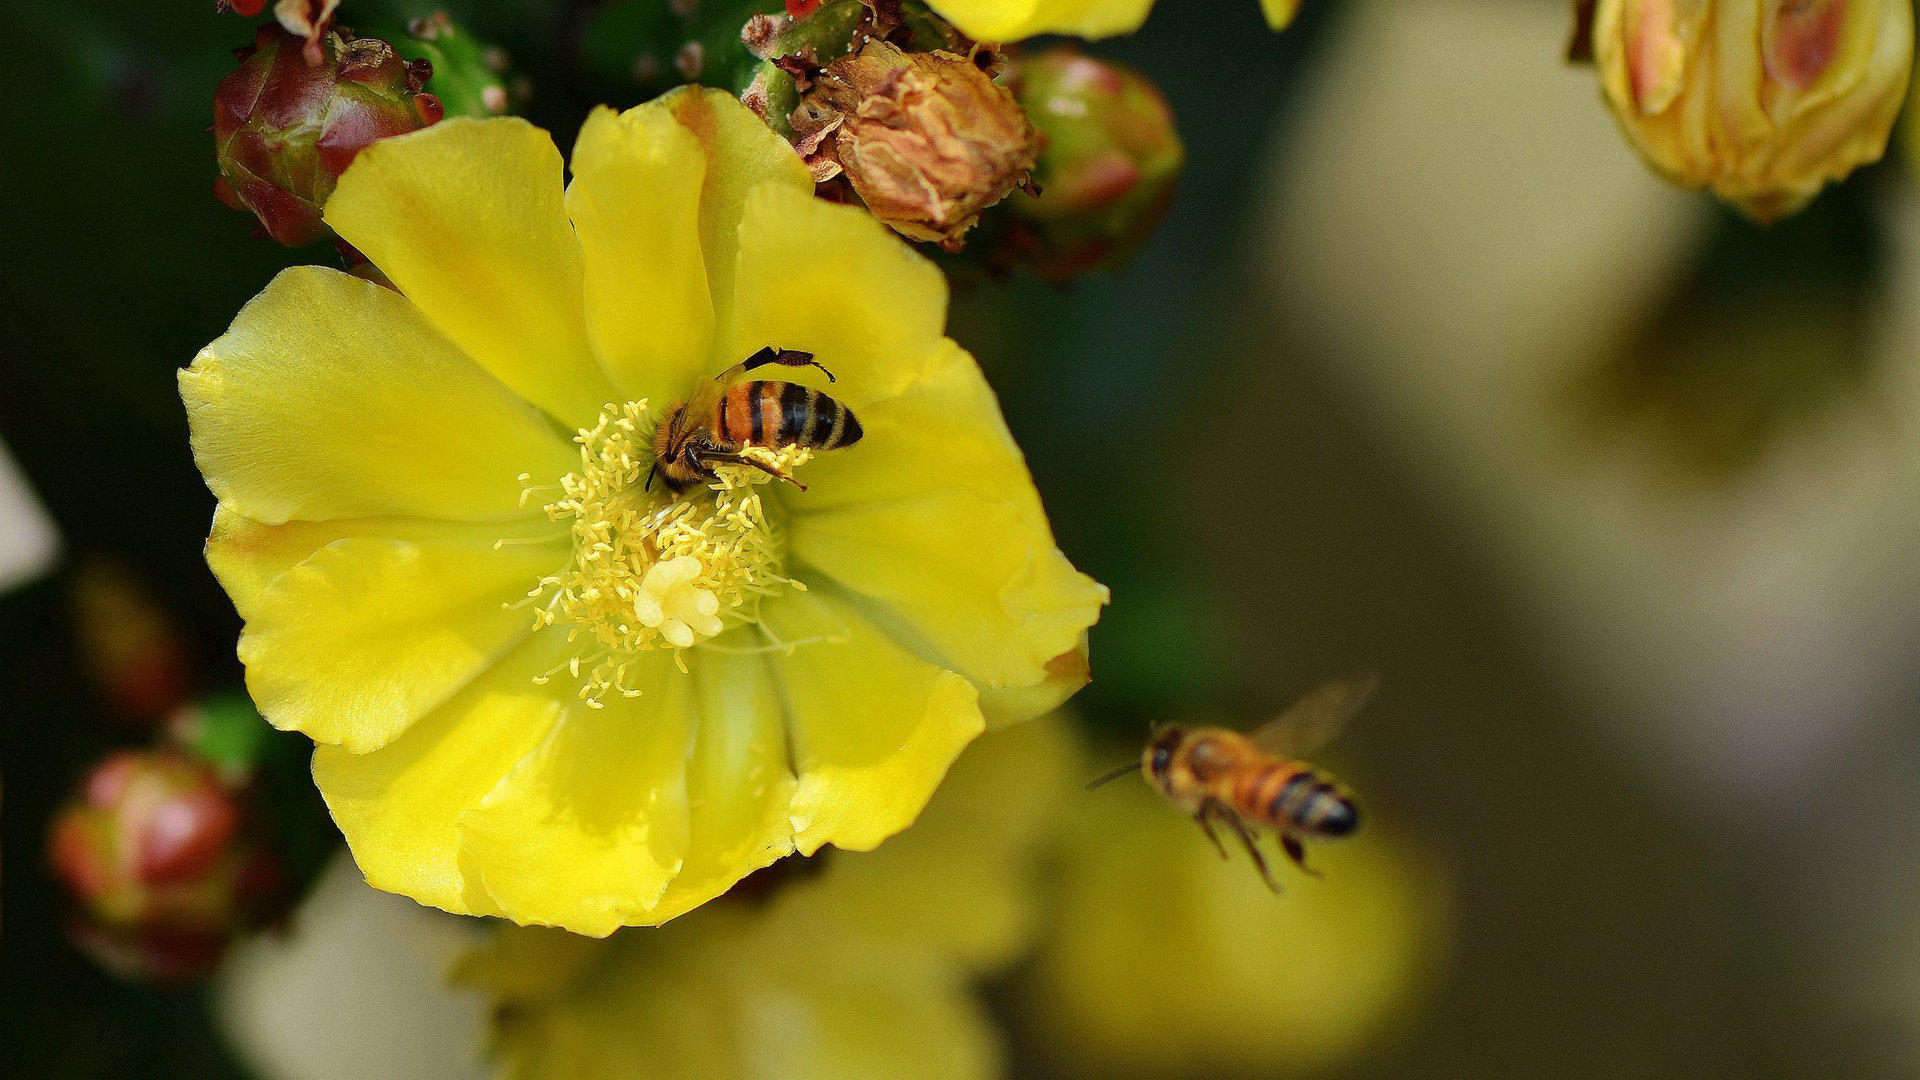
(652,569)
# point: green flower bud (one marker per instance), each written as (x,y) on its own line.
(284,130)
(1110,157)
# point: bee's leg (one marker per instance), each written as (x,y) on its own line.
(771,355)
(1253,849)
(1297,851)
(716,457)
(1203,819)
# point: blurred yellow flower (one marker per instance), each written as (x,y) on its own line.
(1161,959)
(1012,20)
(855,970)
(1764,101)
(538,689)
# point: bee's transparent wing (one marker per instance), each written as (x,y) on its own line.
(1317,717)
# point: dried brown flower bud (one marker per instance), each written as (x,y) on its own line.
(926,140)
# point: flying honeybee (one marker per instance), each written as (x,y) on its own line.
(727,415)
(1253,780)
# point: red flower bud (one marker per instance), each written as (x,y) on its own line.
(157,854)
(284,129)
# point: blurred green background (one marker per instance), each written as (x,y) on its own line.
(1423,375)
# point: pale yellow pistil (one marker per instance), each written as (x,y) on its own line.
(652,569)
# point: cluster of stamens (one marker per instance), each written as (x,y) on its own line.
(654,569)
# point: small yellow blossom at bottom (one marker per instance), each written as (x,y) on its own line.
(1164,960)
(543,683)
(858,969)
(1013,20)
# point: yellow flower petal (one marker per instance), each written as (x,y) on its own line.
(868,1017)
(861,968)
(1279,12)
(365,636)
(961,881)
(829,279)
(399,807)
(873,726)
(1066,674)
(933,517)
(721,998)
(331,398)
(467,218)
(248,555)
(1011,20)
(521,964)
(738,784)
(587,830)
(635,199)
(742,155)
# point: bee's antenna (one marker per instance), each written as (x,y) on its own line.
(1116,774)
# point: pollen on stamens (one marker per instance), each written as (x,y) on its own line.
(652,569)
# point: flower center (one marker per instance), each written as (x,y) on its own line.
(652,569)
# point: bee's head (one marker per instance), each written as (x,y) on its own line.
(1159,753)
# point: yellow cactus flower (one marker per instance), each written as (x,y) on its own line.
(854,969)
(540,686)
(1012,20)
(1764,101)
(1163,960)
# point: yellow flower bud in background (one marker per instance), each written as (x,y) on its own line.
(1279,12)
(1013,20)
(1764,101)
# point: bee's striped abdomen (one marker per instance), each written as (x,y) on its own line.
(775,414)
(1291,797)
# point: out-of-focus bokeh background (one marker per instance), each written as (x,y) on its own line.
(1425,374)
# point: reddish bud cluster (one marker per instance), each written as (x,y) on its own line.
(162,862)
(285,130)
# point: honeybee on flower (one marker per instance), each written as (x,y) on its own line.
(727,418)
(540,687)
